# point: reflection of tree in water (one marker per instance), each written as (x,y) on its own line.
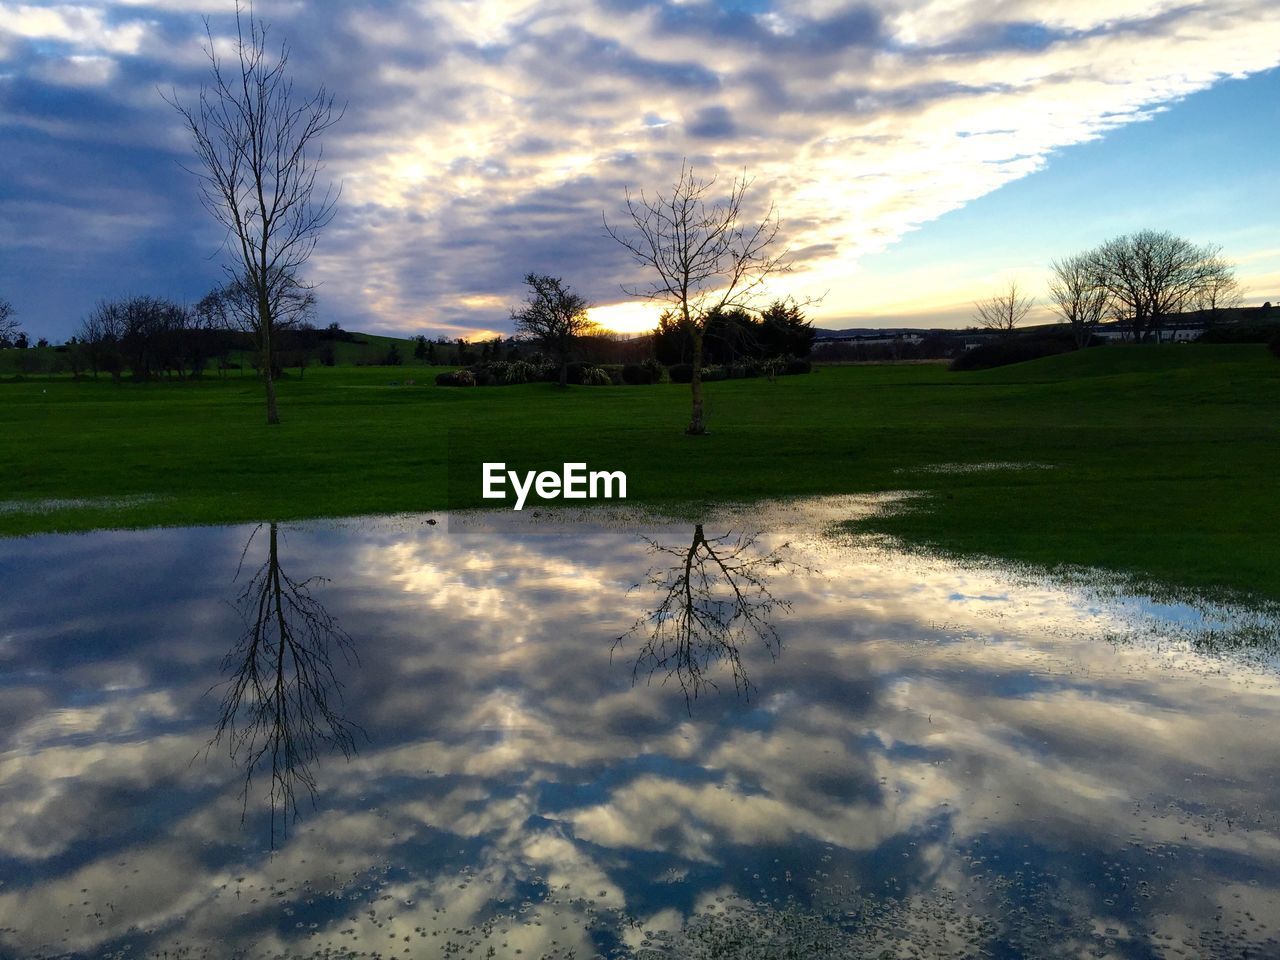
(282,694)
(714,598)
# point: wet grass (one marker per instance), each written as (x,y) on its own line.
(1157,461)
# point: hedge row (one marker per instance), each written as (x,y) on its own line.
(502,373)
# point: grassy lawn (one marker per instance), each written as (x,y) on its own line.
(1163,459)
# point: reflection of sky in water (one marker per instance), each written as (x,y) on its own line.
(946,757)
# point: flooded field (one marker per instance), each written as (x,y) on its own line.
(490,736)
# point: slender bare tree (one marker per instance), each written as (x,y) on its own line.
(1004,311)
(1078,295)
(258,151)
(1152,274)
(704,256)
(554,316)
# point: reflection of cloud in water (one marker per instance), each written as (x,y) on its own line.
(939,748)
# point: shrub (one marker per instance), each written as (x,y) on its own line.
(520,371)
(680,372)
(656,370)
(773,367)
(683,373)
(456,378)
(506,372)
(1274,345)
(595,377)
(798,365)
(637,374)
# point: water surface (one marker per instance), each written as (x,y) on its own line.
(530,738)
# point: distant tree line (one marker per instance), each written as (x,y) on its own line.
(1136,281)
(149,337)
(736,335)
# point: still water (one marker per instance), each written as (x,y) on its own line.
(598,736)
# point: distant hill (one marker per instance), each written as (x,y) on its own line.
(1226,316)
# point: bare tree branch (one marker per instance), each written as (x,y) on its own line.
(711,600)
(9,326)
(282,696)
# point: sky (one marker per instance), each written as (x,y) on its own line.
(920,153)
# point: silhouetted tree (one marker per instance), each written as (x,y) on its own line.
(712,599)
(1220,291)
(1150,274)
(1078,295)
(729,335)
(148,335)
(283,693)
(258,149)
(704,257)
(1004,311)
(100,333)
(77,358)
(785,331)
(553,316)
(8,324)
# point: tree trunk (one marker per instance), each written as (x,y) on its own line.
(696,425)
(273,412)
(564,372)
(264,320)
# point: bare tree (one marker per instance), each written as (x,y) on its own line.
(258,149)
(1219,291)
(283,693)
(554,316)
(705,257)
(1078,295)
(8,323)
(1004,311)
(712,599)
(1151,274)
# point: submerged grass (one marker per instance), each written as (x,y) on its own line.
(1156,461)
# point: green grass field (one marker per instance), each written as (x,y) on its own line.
(1163,459)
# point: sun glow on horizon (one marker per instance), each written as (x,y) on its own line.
(629,317)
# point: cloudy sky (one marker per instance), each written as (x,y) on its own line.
(920,152)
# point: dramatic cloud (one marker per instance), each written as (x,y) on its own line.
(486,139)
